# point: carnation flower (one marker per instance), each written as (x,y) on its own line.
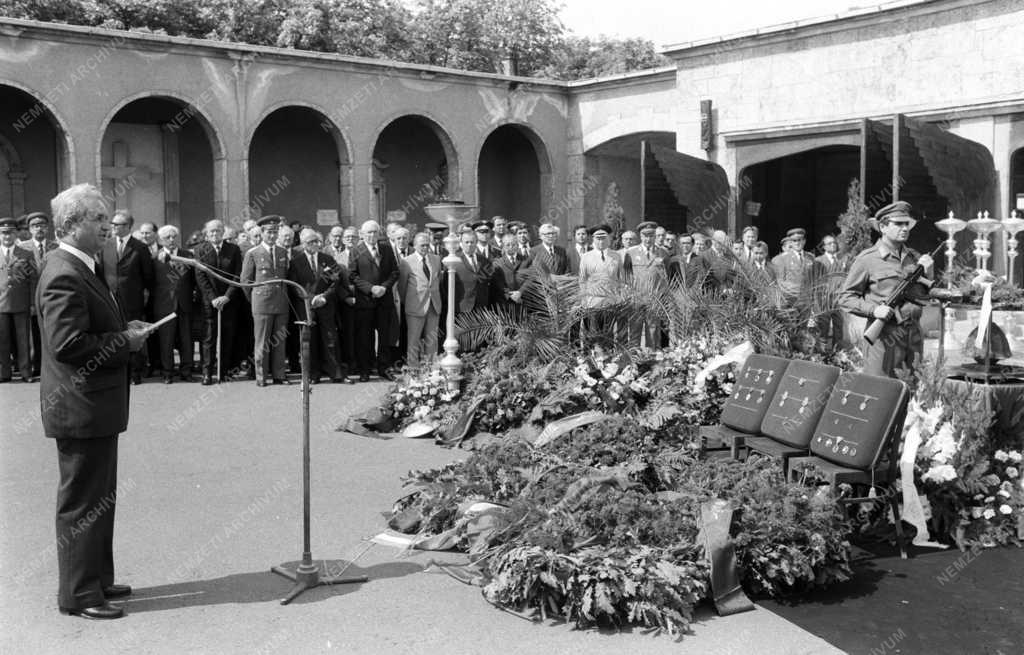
(989,513)
(976,512)
(1001,455)
(1014,456)
(943,445)
(931,418)
(1012,472)
(1005,509)
(940,473)
(1004,493)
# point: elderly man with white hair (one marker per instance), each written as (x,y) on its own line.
(219,300)
(374,272)
(172,292)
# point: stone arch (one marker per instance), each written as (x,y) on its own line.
(23,192)
(541,157)
(342,151)
(453,188)
(805,188)
(189,110)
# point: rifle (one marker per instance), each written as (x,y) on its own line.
(896,298)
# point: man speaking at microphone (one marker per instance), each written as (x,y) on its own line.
(84,387)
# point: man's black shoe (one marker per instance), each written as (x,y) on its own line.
(187,377)
(207,380)
(261,383)
(167,379)
(387,376)
(104,611)
(117,591)
(365,377)
(344,379)
(281,381)
(136,378)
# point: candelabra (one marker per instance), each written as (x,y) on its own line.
(1011,226)
(950,225)
(452,214)
(983,226)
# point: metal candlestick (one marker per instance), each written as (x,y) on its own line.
(452,214)
(950,225)
(983,226)
(1011,226)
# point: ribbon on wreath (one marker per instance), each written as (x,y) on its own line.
(716,523)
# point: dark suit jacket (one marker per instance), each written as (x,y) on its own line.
(365,273)
(130,276)
(175,282)
(229,263)
(473,288)
(326,280)
(505,278)
(687,273)
(545,263)
(83,388)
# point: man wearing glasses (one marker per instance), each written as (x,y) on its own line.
(128,268)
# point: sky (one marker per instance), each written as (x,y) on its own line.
(675,21)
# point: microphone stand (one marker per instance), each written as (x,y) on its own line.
(308,574)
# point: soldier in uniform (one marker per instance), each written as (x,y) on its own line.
(268,261)
(18,276)
(39,244)
(646,267)
(794,268)
(872,277)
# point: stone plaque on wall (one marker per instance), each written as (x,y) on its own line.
(327,217)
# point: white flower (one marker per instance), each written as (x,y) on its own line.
(931,419)
(430,402)
(940,473)
(1014,456)
(610,370)
(1012,472)
(1001,456)
(1005,509)
(421,413)
(989,499)
(976,512)
(943,445)
(416,394)
(989,513)
(1004,493)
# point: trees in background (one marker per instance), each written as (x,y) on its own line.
(522,37)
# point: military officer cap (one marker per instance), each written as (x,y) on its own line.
(602,229)
(483,225)
(8,224)
(646,226)
(897,211)
(37,218)
(436,227)
(269,220)
(750,228)
(794,234)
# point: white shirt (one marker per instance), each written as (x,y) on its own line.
(89,262)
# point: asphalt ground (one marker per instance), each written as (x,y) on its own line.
(210,498)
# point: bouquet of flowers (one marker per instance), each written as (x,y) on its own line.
(677,373)
(420,396)
(974,498)
(612,384)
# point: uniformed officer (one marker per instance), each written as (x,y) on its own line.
(268,261)
(18,278)
(873,275)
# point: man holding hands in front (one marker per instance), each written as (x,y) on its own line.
(87,347)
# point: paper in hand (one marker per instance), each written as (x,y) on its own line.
(149,328)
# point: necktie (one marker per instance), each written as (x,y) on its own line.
(472,262)
(41,251)
(426,269)
(551,253)
(602,255)
(312,263)
(273,257)
(120,247)
(376,256)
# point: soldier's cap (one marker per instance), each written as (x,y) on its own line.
(8,224)
(647,226)
(602,229)
(516,225)
(269,220)
(37,217)
(483,225)
(436,227)
(750,228)
(897,211)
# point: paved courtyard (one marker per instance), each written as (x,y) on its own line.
(210,498)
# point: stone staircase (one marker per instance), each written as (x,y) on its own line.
(699,187)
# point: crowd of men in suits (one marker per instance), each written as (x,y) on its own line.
(378,294)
